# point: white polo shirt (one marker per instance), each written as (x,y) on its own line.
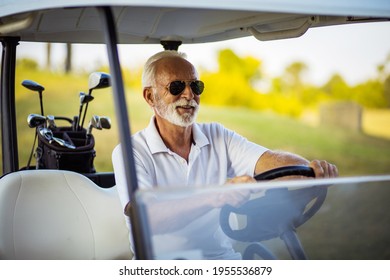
(216,155)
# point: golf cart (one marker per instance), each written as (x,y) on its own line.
(68,212)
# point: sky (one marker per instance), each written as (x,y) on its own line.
(354,51)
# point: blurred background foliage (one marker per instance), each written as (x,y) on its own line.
(242,82)
(237,82)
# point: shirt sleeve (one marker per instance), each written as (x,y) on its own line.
(145,180)
(120,178)
(243,154)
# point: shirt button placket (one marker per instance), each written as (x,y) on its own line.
(182,163)
(186,168)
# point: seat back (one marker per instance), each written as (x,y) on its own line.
(57,214)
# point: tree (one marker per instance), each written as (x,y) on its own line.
(68,58)
(293,74)
(384,76)
(233,83)
(337,88)
(386,91)
(48,56)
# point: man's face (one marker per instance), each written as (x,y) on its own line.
(181,112)
(183,108)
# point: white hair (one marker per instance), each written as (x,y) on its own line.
(150,65)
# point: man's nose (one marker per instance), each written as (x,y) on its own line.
(187,93)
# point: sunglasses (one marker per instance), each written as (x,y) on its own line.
(177,87)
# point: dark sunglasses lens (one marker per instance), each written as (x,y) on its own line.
(176,87)
(197,87)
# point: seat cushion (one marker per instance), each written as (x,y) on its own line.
(55,214)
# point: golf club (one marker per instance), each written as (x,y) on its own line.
(50,120)
(48,135)
(34,120)
(84,99)
(98,123)
(96,80)
(105,122)
(93,123)
(31,85)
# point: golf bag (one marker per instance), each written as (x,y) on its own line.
(62,147)
(51,155)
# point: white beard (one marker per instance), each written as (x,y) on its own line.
(169,112)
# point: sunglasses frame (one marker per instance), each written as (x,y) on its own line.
(187,83)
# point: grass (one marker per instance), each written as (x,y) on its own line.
(354,153)
(376,122)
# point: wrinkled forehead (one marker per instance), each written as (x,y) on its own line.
(174,68)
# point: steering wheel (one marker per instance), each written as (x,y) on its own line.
(278,213)
(300,170)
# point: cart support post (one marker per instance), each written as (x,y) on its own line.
(9,143)
(124,125)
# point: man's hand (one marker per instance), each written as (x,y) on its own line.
(324,169)
(232,197)
(235,198)
(241,179)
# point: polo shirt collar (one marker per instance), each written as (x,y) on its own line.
(156,144)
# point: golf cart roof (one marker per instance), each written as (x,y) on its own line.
(148,21)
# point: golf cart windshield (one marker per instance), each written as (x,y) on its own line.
(335,219)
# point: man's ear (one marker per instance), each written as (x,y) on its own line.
(149,96)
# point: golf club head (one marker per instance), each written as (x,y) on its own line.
(94,123)
(51,122)
(47,134)
(84,98)
(63,143)
(31,85)
(98,80)
(35,120)
(105,122)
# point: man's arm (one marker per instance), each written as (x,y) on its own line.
(171,215)
(273,159)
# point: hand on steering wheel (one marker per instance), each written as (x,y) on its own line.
(289,208)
